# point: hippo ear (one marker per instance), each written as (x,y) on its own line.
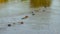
(3,1)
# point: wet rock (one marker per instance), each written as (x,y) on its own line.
(9,25)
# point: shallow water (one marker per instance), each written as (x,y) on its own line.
(47,22)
